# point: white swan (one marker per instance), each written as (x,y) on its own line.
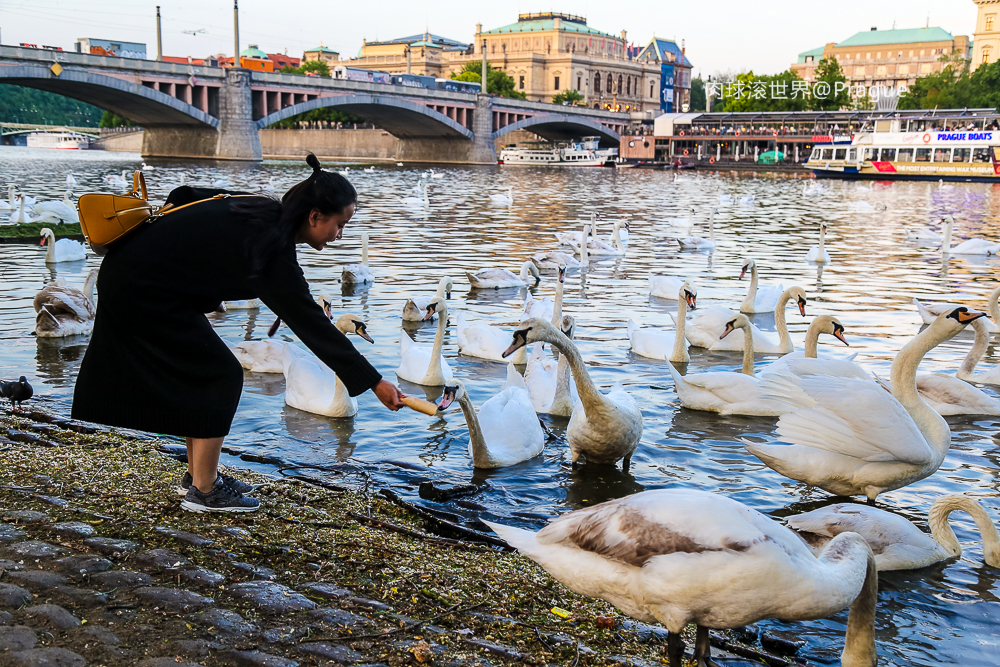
(359,274)
(967,371)
(666,287)
(725,199)
(506,431)
(759,299)
(543,308)
(923,234)
(503,199)
(63,250)
(421,200)
(19,215)
(242,304)
(370,170)
(482,341)
(726,392)
(929,310)
(700,242)
(70,181)
(596,246)
(897,543)
(683,223)
(116,181)
(822,324)
(500,278)
(416,306)
(550,382)
(848,435)
(434,174)
(967,247)
(551,261)
(814,189)
(748,200)
(818,253)
(261,356)
(11,202)
(680,556)
(311,386)
(623,229)
(604,428)
(57,211)
(65,311)
(659,344)
(418,364)
(706,329)
(147,167)
(557,306)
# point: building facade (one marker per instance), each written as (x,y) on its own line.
(425,54)
(986,38)
(324,53)
(886,58)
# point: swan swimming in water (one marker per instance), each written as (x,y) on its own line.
(419,365)
(63,250)
(359,274)
(65,311)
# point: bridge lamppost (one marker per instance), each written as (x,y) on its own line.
(485,68)
(236,33)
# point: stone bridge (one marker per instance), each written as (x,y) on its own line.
(191,111)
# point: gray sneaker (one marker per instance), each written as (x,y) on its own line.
(242,487)
(222,498)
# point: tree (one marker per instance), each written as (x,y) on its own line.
(112,120)
(567,96)
(27,105)
(698,98)
(829,88)
(497,81)
(329,115)
(318,67)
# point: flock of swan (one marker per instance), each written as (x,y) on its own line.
(671,556)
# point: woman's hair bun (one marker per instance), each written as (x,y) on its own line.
(313,162)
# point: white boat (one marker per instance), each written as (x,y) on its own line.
(63,140)
(583,153)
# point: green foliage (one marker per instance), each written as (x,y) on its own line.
(27,105)
(30,231)
(497,81)
(318,67)
(828,71)
(567,96)
(698,97)
(111,120)
(955,88)
(768,92)
(328,114)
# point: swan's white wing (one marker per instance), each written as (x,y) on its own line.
(495,275)
(514,379)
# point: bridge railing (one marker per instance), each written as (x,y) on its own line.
(47,57)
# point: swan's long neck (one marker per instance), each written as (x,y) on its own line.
(946,241)
(525,272)
(978,347)
(20,215)
(994,308)
(859,642)
(812,340)
(364,248)
(50,240)
(10,194)
(557,307)
(747,351)
(943,534)
(584,255)
(88,285)
(616,239)
(711,227)
(680,352)
(784,338)
(904,388)
(477,443)
(434,369)
(591,398)
(443,290)
(66,199)
(562,399)
(751,296)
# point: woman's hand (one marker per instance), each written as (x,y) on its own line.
(389,394)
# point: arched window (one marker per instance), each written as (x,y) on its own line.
(597,83)
(628,86)
(620,84)
(610,83)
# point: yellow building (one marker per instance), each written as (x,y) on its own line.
(986,38)
(324,53)
(886,58)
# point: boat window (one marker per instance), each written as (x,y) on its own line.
(827,153)
(871,154)
(852,155)
(840,154)
(981,154)
(888,154)
(961,155)
(942,155)
(905,155)
(815,154)
(923,155)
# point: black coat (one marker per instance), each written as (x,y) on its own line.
(154,362)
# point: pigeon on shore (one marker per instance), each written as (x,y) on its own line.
(16,391)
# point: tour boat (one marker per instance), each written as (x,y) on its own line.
(931,155)
(583,153)
(63,140)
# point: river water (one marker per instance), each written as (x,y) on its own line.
(944,614)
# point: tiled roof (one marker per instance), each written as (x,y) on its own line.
(815,53)
(906,36)
(324,49)
(658,49)
(425,36)
(537,25)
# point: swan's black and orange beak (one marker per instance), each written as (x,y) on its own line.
(273,329)
(730,327)
(42,242)
(562,274)
(743,272)
(361,329)
(520,340)
(448,397)
(692,300)
(328,309)
(802,306)
(838,331)
(431,309)
(963,315)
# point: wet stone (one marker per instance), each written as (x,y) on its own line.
(748,634)
(13,596)
(781,642)
(99,634)
(492,647)
(24,516)
(51,615)
(406,620)
(16,638)
(223,621)
(73,529)
(111,547)
(199,576)
(161,559)
(164,662)
(172,599)
(6,618)
(270,597)
(121,579)
(368,604)
(254,571)
(335,652)
(253,659)
(182,536)
(189,648)
(54,500)
(77,565)
(327,591)
(45,657)
(36,580)
(235,531)
(10,565)
(339,617)
(36,550)
(83,597)
(10,534)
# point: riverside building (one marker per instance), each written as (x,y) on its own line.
(986,38)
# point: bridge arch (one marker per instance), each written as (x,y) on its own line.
(145,106)
(561,127)
(400,117)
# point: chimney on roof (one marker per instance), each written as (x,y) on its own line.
(683,48)
(874,28)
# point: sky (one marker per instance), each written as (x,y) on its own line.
(765,36)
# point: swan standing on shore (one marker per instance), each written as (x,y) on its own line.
(818,253)
(603,428)
(359,274)
(897,543)
(670,345)
(493,278)
(759,299)
(65,311)
(706,329)
(63,250)
(418,364)
(416,306)
(679,556)
(848,435)
(506,431)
